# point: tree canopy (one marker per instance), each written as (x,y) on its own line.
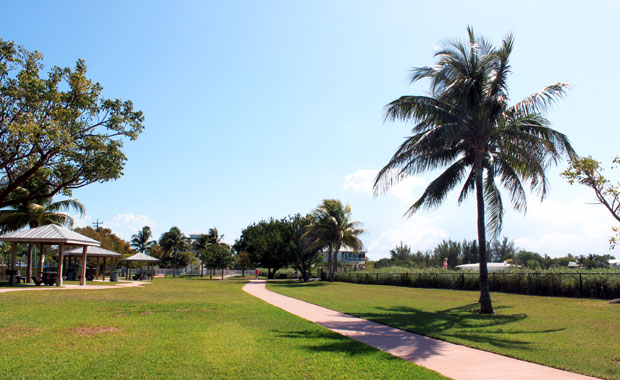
(57,133)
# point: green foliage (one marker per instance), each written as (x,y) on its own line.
(173,242)
(108,239)
(38,213)
(267,244)
(141,241)
(578,335)
(563,282)
(217,256)
(56,131)
(304,254)
(588,172)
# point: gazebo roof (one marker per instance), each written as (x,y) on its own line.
(92,252)
(141,257)
(49,234)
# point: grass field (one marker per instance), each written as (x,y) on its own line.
(580,335)
(176,329)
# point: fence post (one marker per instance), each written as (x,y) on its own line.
(580,286)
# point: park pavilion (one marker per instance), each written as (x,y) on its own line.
(97,253)
(141,257)
(48,235)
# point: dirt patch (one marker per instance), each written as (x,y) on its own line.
(184,309)
(146,312)
(94,330)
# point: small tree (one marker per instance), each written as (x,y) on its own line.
(588,172)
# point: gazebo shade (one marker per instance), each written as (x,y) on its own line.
(92,252)
(141,257)
(49,234)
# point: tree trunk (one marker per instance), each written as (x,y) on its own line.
(485,298)
(174,264)
(202,267)
(222,273)
(330,264)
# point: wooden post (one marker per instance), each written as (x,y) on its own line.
(61,248)
(29,268)
(97,270)
(83,277)
(103,271)
(13,263)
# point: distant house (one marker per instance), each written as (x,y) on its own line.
(574,264)
(349,256)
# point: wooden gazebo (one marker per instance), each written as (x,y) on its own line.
(95,252)
(141,257)
(50,234)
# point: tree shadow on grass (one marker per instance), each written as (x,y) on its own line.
(298,284)
(328,341)
(462,323)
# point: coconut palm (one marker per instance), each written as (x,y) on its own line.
(172,242)
(467,127)
(141,241)
(35,214)
(332,227)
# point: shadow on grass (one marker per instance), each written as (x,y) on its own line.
(462,323)
(328,342)
(297,283)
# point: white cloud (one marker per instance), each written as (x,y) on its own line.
(125,225)
(81,222)
(418,232)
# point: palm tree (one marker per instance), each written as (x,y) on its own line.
(140,241)
(35,214)
(331,227)
(173,241)
(467,127)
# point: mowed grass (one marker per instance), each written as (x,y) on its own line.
(176,329)
(579,335)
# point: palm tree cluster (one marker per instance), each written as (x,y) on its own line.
(467,127)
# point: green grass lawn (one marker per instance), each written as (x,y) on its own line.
(580,335)
(176,329)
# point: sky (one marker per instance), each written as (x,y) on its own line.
(263,109)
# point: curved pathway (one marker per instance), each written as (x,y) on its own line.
(452,360)
(120,285)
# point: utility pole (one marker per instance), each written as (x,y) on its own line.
(97,223)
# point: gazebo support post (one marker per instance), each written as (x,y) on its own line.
(29,268)
(41,257)
(103,273)
(83,277)
(13,263)
(98,265)
(61,248)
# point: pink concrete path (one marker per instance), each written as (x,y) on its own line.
(452,360)
(119,285)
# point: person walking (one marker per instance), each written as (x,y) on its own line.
(256,273)
(445,263)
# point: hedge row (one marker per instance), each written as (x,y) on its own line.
(604,285)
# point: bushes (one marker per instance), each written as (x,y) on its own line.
(603,284)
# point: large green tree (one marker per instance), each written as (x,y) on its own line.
(57,133)
(467,127)
(331,226)
(173,242)
(304,254)
(267,245)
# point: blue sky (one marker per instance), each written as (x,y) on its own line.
(260,109)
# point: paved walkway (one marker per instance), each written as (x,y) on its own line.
(452,360)
(119,285)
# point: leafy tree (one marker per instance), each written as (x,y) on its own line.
(304,254)
(56,131)
(588,172)
(332,227)
(266,244)
(592,261)
(107,239)
(173,242)
(141,241)
(243,262)
(219,257)
(467,127)
(447,249)
(400,252)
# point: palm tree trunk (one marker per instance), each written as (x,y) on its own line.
(174,264)
(485,298)
(41,258)
(330,264)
